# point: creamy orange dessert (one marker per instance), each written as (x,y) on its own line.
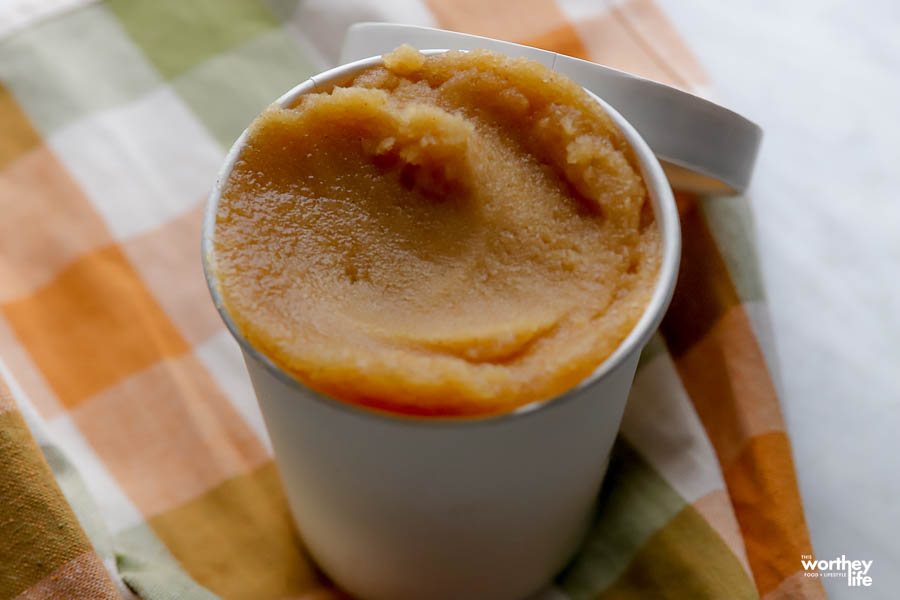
(452,235)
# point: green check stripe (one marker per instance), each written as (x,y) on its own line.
(283,9)
(228,90)
(177,35)
(654,347)
(634,504)
(647,542)
(98,57)
(731,224)
(72,65)
(684,559)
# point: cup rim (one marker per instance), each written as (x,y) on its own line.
(664,209)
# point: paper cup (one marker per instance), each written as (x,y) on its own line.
(394,507)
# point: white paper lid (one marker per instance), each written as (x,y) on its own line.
(703,146)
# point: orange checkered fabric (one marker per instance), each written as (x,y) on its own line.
(133,459)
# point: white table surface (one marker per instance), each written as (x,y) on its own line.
(823,79)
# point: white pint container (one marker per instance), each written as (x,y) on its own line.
(395,507)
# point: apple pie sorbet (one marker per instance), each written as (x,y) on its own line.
(448,235)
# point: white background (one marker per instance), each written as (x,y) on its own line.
(823,79)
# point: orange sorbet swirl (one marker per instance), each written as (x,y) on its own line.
(451,235)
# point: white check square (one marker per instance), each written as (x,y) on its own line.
(140,164)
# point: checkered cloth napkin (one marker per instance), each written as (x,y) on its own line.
(133,459)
